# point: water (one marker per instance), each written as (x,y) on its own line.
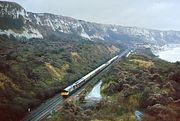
(94,95)
(170,54)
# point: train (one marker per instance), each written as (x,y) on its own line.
(76,85)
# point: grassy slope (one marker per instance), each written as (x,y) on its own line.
(34,70)
(136,83)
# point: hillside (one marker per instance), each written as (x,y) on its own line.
(41,53)
(35,67)
(137,83)
(32,71)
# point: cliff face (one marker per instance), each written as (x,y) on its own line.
(17,21)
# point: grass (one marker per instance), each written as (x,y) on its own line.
(142,63)
(58,73)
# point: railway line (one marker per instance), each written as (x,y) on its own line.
(51,105)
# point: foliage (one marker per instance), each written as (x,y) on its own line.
(37,69)
(7,22)
(138,83)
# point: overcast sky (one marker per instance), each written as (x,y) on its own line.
(155,14)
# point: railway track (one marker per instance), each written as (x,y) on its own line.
(50,105)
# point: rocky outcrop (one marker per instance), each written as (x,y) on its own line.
(38,25)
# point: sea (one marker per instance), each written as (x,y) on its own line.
(170,53)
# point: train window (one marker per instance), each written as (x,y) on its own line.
(74,86)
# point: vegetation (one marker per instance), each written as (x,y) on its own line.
(137,83)
(7,22)
(32,71)
(11,19)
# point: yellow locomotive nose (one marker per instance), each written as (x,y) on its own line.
(64,94)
